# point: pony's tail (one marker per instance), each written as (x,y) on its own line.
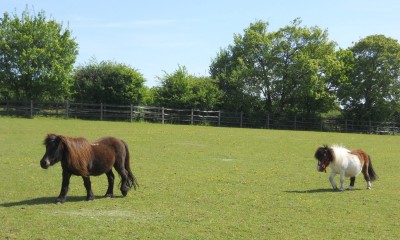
(371,172)
(132,181)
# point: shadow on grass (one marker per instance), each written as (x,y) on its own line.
(321,190)
(48,200)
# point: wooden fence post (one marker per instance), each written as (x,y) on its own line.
(67,110)
(192,117)
(31,109)
(131,113)
(219,118)
(369,126)
(101,111)
(322,124)
(241,119)
(162,115)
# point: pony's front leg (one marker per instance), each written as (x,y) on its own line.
(64,187)
(88,186)
(341,181)
(331,179)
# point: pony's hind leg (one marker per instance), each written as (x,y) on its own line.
(110,190)
(88,186)
(352,181)
(366,176)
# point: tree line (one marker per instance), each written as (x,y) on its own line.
(294,70)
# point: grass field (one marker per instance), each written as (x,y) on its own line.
(197,183)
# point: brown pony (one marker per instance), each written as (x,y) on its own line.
(80,157)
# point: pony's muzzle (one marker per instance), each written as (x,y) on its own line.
(45,163)
(320,168)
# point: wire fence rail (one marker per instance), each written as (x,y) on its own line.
(109,112)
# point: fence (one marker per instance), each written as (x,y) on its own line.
(107,112)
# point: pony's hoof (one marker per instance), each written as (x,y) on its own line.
(369,188)
(349,188)
(89,198)
(108,195)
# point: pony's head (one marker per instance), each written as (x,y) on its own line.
(324,155)
(54,149)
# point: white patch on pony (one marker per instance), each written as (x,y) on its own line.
(94,144)
(350,163)
(369,185)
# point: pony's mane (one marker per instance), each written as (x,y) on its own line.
(339,151)
(340,148)
(78,153)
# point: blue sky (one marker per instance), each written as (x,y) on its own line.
(155,37)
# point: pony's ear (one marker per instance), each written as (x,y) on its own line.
(58,139)
(327,149)
(51,137)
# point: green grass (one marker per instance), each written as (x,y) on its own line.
(197,183)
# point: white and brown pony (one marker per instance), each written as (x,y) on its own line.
(346,163)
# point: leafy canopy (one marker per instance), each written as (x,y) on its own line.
(370,89)
(107,82)
(283,71)
(182,90)
(36,57)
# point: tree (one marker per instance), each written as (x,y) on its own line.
(229,70)
(107,82)
(182,90)
(305,60)
(287,70)
(36,57)
(148,95)
(205,94)
(174,89)
(371,88)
